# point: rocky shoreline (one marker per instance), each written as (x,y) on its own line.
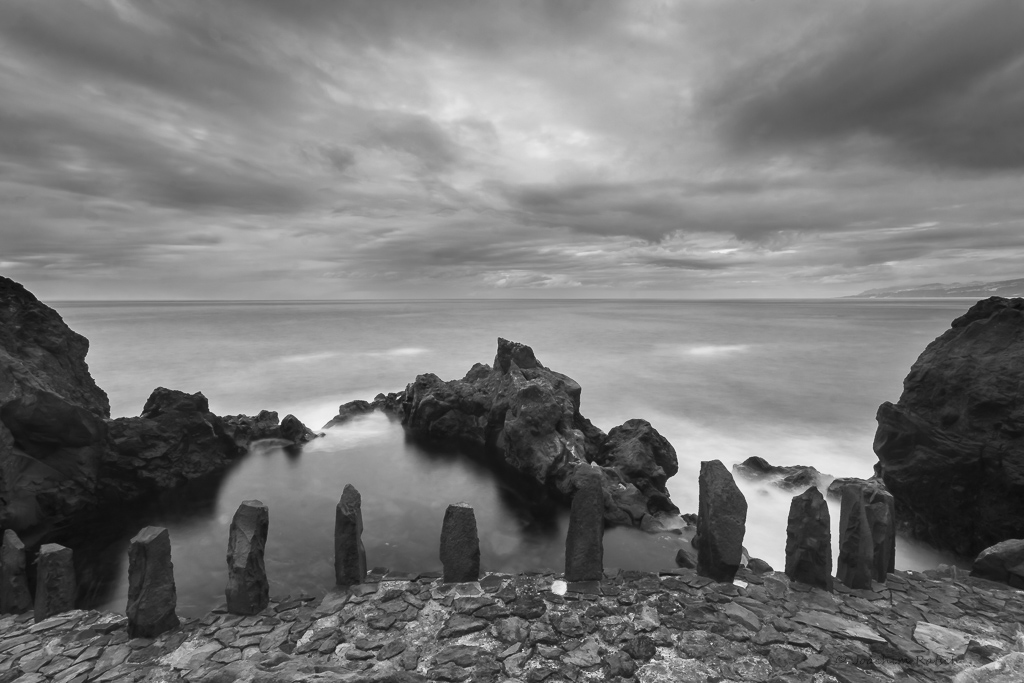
(651,628)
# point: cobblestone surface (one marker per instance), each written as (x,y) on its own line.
(639,626)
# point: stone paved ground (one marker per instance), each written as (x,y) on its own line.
(635,625)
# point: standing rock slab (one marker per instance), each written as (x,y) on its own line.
(721,523)
(152,597)
(584,542)
(55,581)
(14,595)
(855,567)
(809,540)
(349,553)
(460,544)
(248,591)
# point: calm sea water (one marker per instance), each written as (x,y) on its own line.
(796,382)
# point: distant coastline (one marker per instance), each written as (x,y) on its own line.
(969,290)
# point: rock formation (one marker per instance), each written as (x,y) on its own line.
(248,590)
(809,540)
(14,595)
(525,420)
(152,597)
(61,455)
(460,544)
(584,542)
(1003,562)
(855,567)
(787,478)
(349,553)
(950,450)
(56,587)
(721,523)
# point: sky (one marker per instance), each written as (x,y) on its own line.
(310,149)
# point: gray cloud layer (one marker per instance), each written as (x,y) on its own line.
(314,149)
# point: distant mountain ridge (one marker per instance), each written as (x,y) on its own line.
(973,290)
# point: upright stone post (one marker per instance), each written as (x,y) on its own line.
(721,523)
(880,507)
(55,581)
(460,545)
(14,595)
(349,553)
(248,591)
(809,540)
(855,567)
(152,597)
(584,542)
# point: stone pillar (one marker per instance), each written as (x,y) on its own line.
(880,507)
(55,581)
(584,542)
(721,523)
(152,597)
(14,595)
(809,540)
(349,553)
(460,545)
(248,591)
(855,567)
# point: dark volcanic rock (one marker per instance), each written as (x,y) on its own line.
(1003,562)
(721,523)
(584,542)
(248,591)
(523,417)
(55,581)
(14,595)
(951,449)
(349,553)
(809,540)
(245,429)
(175,440)
(152,597)
(855,567)
(789,478)
(460,544)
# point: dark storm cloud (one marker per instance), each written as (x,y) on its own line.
(940,82)
(156,46)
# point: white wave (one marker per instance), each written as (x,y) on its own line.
(403,351)
(716,350)
(308,357)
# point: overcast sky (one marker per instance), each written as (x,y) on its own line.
(472,148)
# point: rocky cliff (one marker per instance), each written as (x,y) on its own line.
(61,454)
(951,450)
(525,420)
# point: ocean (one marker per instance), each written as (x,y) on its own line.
(796,382)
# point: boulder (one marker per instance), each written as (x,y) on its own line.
(809,540)
(14,595)
(721,523)
(787,478)
(349,553)
(950,450)
(245,429)
(584,542)
(686,558)
(524,419)
(152,597)
(460,544)
(349,411)
(248,591)
(1003,562)
(56,587)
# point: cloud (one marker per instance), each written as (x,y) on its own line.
(935,82)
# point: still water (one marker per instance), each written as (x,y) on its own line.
(795,382)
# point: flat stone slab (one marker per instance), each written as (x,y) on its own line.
(838,625)
(944,642)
